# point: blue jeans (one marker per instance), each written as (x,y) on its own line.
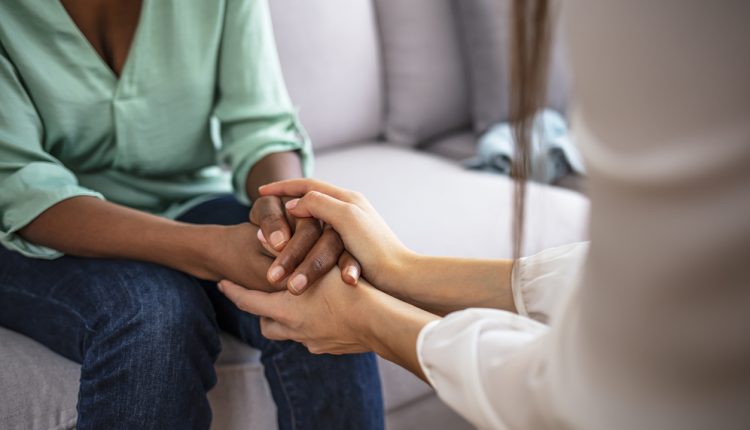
(147,338)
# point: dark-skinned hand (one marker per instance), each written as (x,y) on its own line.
(306,248)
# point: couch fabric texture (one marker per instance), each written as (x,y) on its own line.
(426,86)
(383,90)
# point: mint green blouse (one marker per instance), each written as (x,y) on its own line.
(70,127)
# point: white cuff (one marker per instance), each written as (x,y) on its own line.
(420,344)
(539,282)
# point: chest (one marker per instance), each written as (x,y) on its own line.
(104,103)
(108,25)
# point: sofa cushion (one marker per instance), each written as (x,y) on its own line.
(330,56)
(485,29)
(427,92)
(400,387)
(242,398)
(426,413)
(456,146)
(437,207)
(39,388)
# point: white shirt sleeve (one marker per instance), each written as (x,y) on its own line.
(459,353)
(541,281)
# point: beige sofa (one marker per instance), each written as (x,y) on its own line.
(383,91)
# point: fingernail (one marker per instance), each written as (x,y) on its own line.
(291,204)
(298,283)
(353,273)
(276,273)
(277,239)
(261,238)
(220,287)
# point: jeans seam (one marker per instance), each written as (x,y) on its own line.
(286,393)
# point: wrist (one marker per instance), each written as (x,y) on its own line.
(200,249)
(401,276)
(399,271)
(363,312)
(372,310)
(389,326)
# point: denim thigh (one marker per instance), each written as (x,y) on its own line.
(64,303)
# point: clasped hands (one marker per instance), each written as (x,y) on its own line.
(312,302)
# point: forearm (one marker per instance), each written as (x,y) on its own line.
(89,227)
(442,284)
(391,327)
(274,167)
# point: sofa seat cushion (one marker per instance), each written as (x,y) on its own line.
(38,388)
(437,207)
(455,146)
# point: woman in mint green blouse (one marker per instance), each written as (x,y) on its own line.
(119,212)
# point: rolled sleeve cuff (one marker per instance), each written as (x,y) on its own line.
(541,281)
(27,194)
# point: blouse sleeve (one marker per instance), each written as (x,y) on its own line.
(477,342)
(255,114)
(541,281)
(31,180)
(462,353)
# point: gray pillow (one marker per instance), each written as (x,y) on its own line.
(426,84)
(332,67)
(485,30)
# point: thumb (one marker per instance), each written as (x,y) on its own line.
(255,302)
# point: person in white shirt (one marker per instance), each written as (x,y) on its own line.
(645,327)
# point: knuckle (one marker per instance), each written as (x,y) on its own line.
(357,196)
(309,224)
(353,212)
(269,218)
(318,264)
(309,231)
(335,239)
(260,205)
(314,196)
(260,201)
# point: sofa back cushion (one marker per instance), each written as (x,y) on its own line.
(330,55)
(426,85)
(485,27)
